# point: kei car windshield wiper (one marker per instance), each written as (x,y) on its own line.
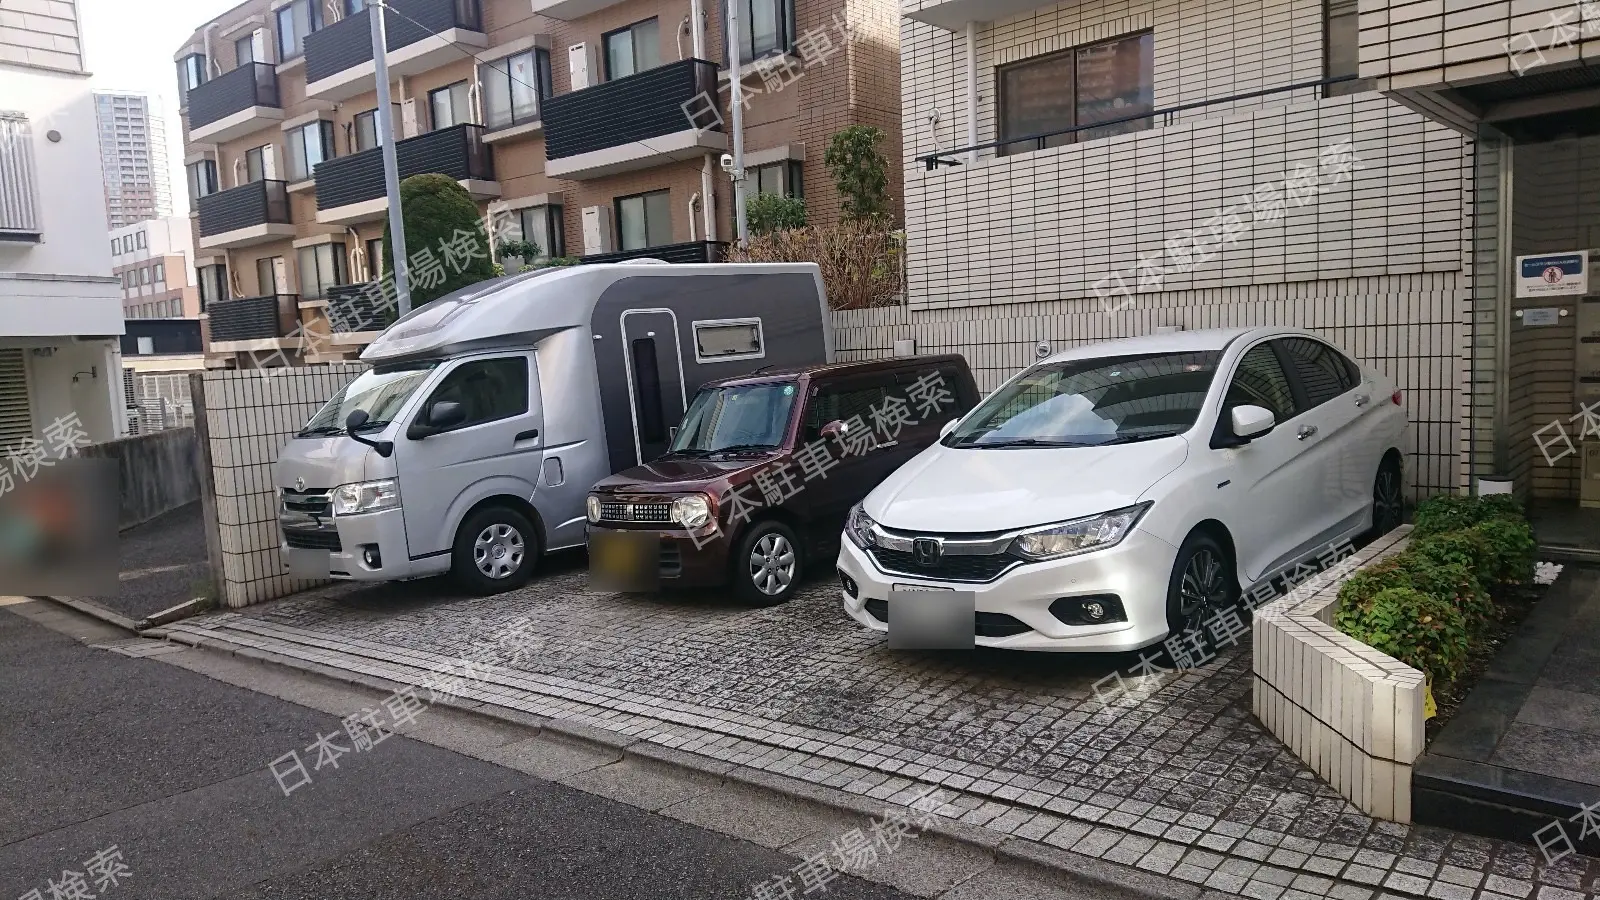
(745,448)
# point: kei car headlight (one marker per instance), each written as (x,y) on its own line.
(859,527)
(366,496)
(692,511)
(591,507)
(1079,535)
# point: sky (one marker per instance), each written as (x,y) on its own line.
(128,46)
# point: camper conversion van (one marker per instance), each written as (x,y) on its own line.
(472,442)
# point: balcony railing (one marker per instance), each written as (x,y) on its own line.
(249,85)
(457,152)
(648,105)
(692,252)
(248,205)
(252,318)
(354,308)
(348,42)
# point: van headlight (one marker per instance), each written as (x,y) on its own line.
(692,511)
(859,527)
(365,497)
(1078,535)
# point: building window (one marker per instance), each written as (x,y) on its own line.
(139,240)
(256,162)
(160,273)
(450,105)
(644,220)
(202,179)
(783,178)
(295,21)
(308,145)
(765,27)
(244,51)
(1097,83)
(144,274)
(213,283)
(321,267)
(270,278)
(191,74)
(365,127)
(115,251)
(1342,39)
(19,212)
(512,88)
(375,267)
(127,243)
(634,49)
(542,226)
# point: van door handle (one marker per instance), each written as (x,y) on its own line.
(1306,431)
(1363,399)
(528,435)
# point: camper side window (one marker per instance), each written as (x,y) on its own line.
(489,389)
(721,340)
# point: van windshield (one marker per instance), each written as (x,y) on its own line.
(737,417)
(1090,402)
(378,392)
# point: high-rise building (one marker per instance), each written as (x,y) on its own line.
(133,157)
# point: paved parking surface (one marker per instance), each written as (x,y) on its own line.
(1181,780)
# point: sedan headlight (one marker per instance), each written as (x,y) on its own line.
(1079,535)
(692,511)
(591,507)
(859,527)
(365,497)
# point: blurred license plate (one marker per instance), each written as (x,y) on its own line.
(930,618)
(622,562)
(308,564)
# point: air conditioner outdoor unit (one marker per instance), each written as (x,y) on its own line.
(596,230)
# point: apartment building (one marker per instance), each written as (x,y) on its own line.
(60,314)
(153,259)
(1102,168)
(133,157)
(588,128)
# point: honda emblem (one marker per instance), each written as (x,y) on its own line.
(925,551)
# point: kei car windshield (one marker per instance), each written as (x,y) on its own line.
(380,392)
(1089,402)
(742,416)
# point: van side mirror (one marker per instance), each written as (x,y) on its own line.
(944,430)
(1250,422)
(442,415)
(358,418)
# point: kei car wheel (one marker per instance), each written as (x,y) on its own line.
(1388,499)
(1202,584)
(767,566)
(496,550)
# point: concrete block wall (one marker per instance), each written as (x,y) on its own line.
(156,473)
(1350,712)
(249,417)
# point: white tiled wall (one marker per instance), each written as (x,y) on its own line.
(250,416)
(1430,44)
(1348,711)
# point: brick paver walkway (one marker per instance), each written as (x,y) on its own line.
(1183,781)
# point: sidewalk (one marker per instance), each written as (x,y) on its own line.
(1183,783)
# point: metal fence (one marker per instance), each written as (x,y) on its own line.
(158,401)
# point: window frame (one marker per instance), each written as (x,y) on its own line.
(244,51)
(375,258)
(1005,146)
(295,139)
(433,395)
(313,22)
(811,421)
(220,274)
(258,157)
(1222,434)
(139,241)
(204,170)
(1349,16)
(465,86)
(761,339)
(192,72)
(786,30)
(334,257)
(555,224)
(633,44)
(791,178)
(617,205)
(543,88)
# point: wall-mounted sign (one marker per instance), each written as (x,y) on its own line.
(1553,275)
(1546,316)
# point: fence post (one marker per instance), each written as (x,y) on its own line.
(208,486)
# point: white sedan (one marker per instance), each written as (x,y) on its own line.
(1118,493)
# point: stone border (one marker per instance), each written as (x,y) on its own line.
(1350,712)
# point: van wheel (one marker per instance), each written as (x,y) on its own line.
(767,565)
(1202,584)
(496,550)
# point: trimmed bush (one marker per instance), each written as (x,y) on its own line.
(767,213)
(1453,512)
(1510,547)
(1429,571)
(1414,627)
(433,208)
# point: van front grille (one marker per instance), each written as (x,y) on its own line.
(314,502)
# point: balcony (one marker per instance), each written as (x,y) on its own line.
(254,213)
(692,252)
(420,35)
(633,123)
(355,315)
(252,323)
(953,15)
(567,10)
(234,104)
(350,188)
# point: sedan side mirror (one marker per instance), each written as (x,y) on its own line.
(944,431)
(1250,422)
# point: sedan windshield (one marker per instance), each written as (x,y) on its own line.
(739,417)
(1088,402)
(378,392)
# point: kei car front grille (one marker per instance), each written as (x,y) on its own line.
(313,540)
(314,502)
(948,567)
(617,511)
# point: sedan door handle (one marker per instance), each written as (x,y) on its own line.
(1306,431)
(530,434)
(1363,399)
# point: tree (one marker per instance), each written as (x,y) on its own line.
(434,210)
(861,173)
(767,213)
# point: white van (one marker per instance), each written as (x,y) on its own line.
(472,442)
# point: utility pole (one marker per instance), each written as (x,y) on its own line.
(391,168)
(736,98)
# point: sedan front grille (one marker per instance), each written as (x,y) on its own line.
(949,567)
(616,511)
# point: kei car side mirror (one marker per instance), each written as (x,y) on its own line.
(834,429)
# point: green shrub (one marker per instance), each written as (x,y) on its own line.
(1510,552)
(1453,512)
(860,173)
(1428,571)
(767,213)
(1416,628)
(433,208)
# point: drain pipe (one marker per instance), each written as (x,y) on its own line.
(694,206)
(697,28)
(708,206)
(972,90)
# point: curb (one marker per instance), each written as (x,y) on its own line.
(1072,867)
(95,610)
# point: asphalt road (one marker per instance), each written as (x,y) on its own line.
(171,767)
(161,563)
